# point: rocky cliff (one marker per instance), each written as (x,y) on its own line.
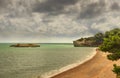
(93,41)
(85,43)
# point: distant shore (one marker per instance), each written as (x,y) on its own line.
(97,67)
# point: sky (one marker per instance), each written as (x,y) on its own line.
(56,21)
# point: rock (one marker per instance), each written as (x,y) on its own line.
(25,45)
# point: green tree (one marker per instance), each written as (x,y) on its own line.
(111,44)
(116,70)
(112,32)
(99,37)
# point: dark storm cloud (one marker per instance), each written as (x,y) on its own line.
(53,6)
(92,10)
(115,6)
(4,3)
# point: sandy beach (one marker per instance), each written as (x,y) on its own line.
(98,67)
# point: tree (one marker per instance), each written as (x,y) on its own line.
(112,32)
(116,70)
(111,44)
(99,37)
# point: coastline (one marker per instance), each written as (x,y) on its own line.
(53,73)
(96,67)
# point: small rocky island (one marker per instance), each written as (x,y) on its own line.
(25,45)
(93,41)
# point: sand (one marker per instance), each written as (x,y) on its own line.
(98,67)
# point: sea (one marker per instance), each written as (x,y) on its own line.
(41,62)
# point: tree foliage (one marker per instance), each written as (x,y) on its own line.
(116,69)
(111,44)
(99,37)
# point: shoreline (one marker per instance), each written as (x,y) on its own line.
(96,67)
(68,67)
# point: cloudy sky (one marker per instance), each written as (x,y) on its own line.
(56,20)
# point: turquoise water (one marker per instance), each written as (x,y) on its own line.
(30,62)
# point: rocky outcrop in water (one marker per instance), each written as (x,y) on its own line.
(25,45)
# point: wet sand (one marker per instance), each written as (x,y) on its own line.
(98,67)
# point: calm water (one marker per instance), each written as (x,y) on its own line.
(30,62)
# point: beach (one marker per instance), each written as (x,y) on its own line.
(97,67)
